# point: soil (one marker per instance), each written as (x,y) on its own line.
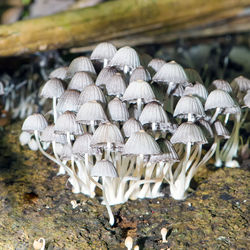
(35,203)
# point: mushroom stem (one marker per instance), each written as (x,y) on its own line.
(54,109)
(111,216)
(68,138)
(139,107)
(217,112)
(92,125)
(226,118)
(154,126)
(105,62)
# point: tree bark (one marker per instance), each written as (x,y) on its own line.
(132,22)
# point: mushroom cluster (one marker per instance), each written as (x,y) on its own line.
(124,126)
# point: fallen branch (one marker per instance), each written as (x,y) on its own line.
(131,22)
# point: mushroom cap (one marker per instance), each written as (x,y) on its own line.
(241,83)
(104,75)
(197,90)
(81,63)
(188,132)
(140,73)
(193,76)
(91,93)
(220,130)
(103,51)
(232,110)
(138,89)
(156,64)
(48,135)
(131,126)
(52,88)
(104,168)
(81,145)
(34,122)
(189,105)
(117,110)
(67,123)
(246,99)
(219,99)
(107,133)
(141,143)
(59,73)
(153,113)
(206,128)
(171,72)
(169,154)
(68,101)
(116,85)
(125,56)
(24,138)
(91,111)
(223,85)
(80,80)
(1,88)
(66,152)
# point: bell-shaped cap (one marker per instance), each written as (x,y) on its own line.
(1,88)
(66,152)
(140,73)
(116,85)
(125,56)
(219,99)
(24,138)
(131,126)
(103,51)
(81,63)
(34,122)
(68,101)
(206,127)
(188,132)
(141,143)
(91,111)
(223,85)
(138,90)
(104,168)
(117,110)
(59,73)
(153,113)
(52,88)
(168,152)
(193,76)
(171,72)
(81,145)
(156,64)
(107,133)
(246,99)
(197,90)
(220,130)
(67,123)
(91,93)
(80,80)
(48,135)
(189,105)
(232,110)
(104,75)
(240,83)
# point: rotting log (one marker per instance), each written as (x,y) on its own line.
(131,22)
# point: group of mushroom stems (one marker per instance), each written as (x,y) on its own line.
(126,128)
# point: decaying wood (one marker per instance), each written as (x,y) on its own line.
(131,22)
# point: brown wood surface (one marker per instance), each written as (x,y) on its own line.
(132,22)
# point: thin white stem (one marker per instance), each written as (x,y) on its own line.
(217,112)
(54,109)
